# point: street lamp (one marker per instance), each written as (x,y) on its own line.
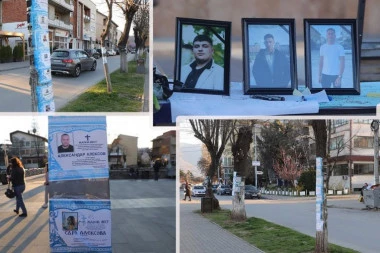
(375,129)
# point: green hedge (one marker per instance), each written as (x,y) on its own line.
(6,54)
(307,180)
(18,54)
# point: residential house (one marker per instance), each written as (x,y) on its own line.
(29,147)
(112,38)
(164,148)
(123,152)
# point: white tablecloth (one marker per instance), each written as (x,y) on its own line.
(237,104)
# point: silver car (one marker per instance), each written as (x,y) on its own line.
(71,61)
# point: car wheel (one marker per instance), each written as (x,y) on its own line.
(77,71)
(93,68)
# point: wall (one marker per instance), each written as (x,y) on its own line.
(165,12)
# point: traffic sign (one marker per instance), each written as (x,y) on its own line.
(255,163)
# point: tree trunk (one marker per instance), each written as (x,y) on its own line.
(211,172)
(106,71)
(238,205)
(240,152)
(320,134)
(123,61)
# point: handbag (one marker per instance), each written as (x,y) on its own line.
(9,192)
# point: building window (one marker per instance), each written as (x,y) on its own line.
(363,169)
(339,122)
(363,142)
(363,121)
(336,143)
(341,170)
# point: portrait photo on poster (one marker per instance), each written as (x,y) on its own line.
(331,55)
(202,61)
(66,140)
(269,56)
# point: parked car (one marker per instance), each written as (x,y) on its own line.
(111,52)
(223,190)
(198,191)
(214,187)
(3,176)
(71,61)
(251,192)
(94,53)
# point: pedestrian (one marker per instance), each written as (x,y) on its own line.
(18,184)
(46,183)
(187,191)
(363,188)
(156,167)
(8,172)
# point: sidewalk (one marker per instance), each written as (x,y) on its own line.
(198,234)
(142,211)
(14,65)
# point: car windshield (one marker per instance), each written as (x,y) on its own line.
(225,186)
(61,54)
(249,187)
(198,187)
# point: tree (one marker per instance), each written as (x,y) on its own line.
(214,134)
(129,9)
(240,146)
(141,26)
(102,41)
(288,166)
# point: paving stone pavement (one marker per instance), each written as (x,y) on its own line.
(143,218)
(199,235)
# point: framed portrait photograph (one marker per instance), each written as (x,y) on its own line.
(331,56)
(269,56)
(202,56)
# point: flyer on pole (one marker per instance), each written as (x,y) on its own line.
(77,148)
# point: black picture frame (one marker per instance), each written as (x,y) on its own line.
(342,41)
(279,35)
(215,77)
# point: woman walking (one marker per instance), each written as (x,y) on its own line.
(18,183)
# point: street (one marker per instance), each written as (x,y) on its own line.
(143,217)
(349,225)
(15,89)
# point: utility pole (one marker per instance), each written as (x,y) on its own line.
(375,129)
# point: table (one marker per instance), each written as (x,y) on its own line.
(237,104)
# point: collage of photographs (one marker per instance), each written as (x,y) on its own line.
(173,126)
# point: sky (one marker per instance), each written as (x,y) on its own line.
(139,126)
(117,16)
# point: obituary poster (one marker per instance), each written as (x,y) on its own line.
(77,148)
(80,225)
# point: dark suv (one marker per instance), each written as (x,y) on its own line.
(93,52)
(71,61)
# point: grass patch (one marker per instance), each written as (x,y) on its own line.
(126,96)
(269,237)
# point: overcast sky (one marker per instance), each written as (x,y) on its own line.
(139,126)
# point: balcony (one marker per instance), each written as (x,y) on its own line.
(86,19)
(60,24)
(69,7)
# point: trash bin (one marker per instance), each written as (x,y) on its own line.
(372,198)
(207,205)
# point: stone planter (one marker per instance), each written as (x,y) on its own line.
(339,192)
(330,192)
(303,193)
(312,193)
(345,191)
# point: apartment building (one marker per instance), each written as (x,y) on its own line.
(164,148)
(29,147)
(123,151)
(72,23)
(113,35)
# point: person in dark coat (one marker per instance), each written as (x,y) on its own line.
(157,165)
(187,191)
(271,68)
(18,184)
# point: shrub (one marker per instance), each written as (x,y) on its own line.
(307,180)
(6,54)
(18,53)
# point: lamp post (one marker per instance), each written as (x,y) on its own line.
(375,129)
